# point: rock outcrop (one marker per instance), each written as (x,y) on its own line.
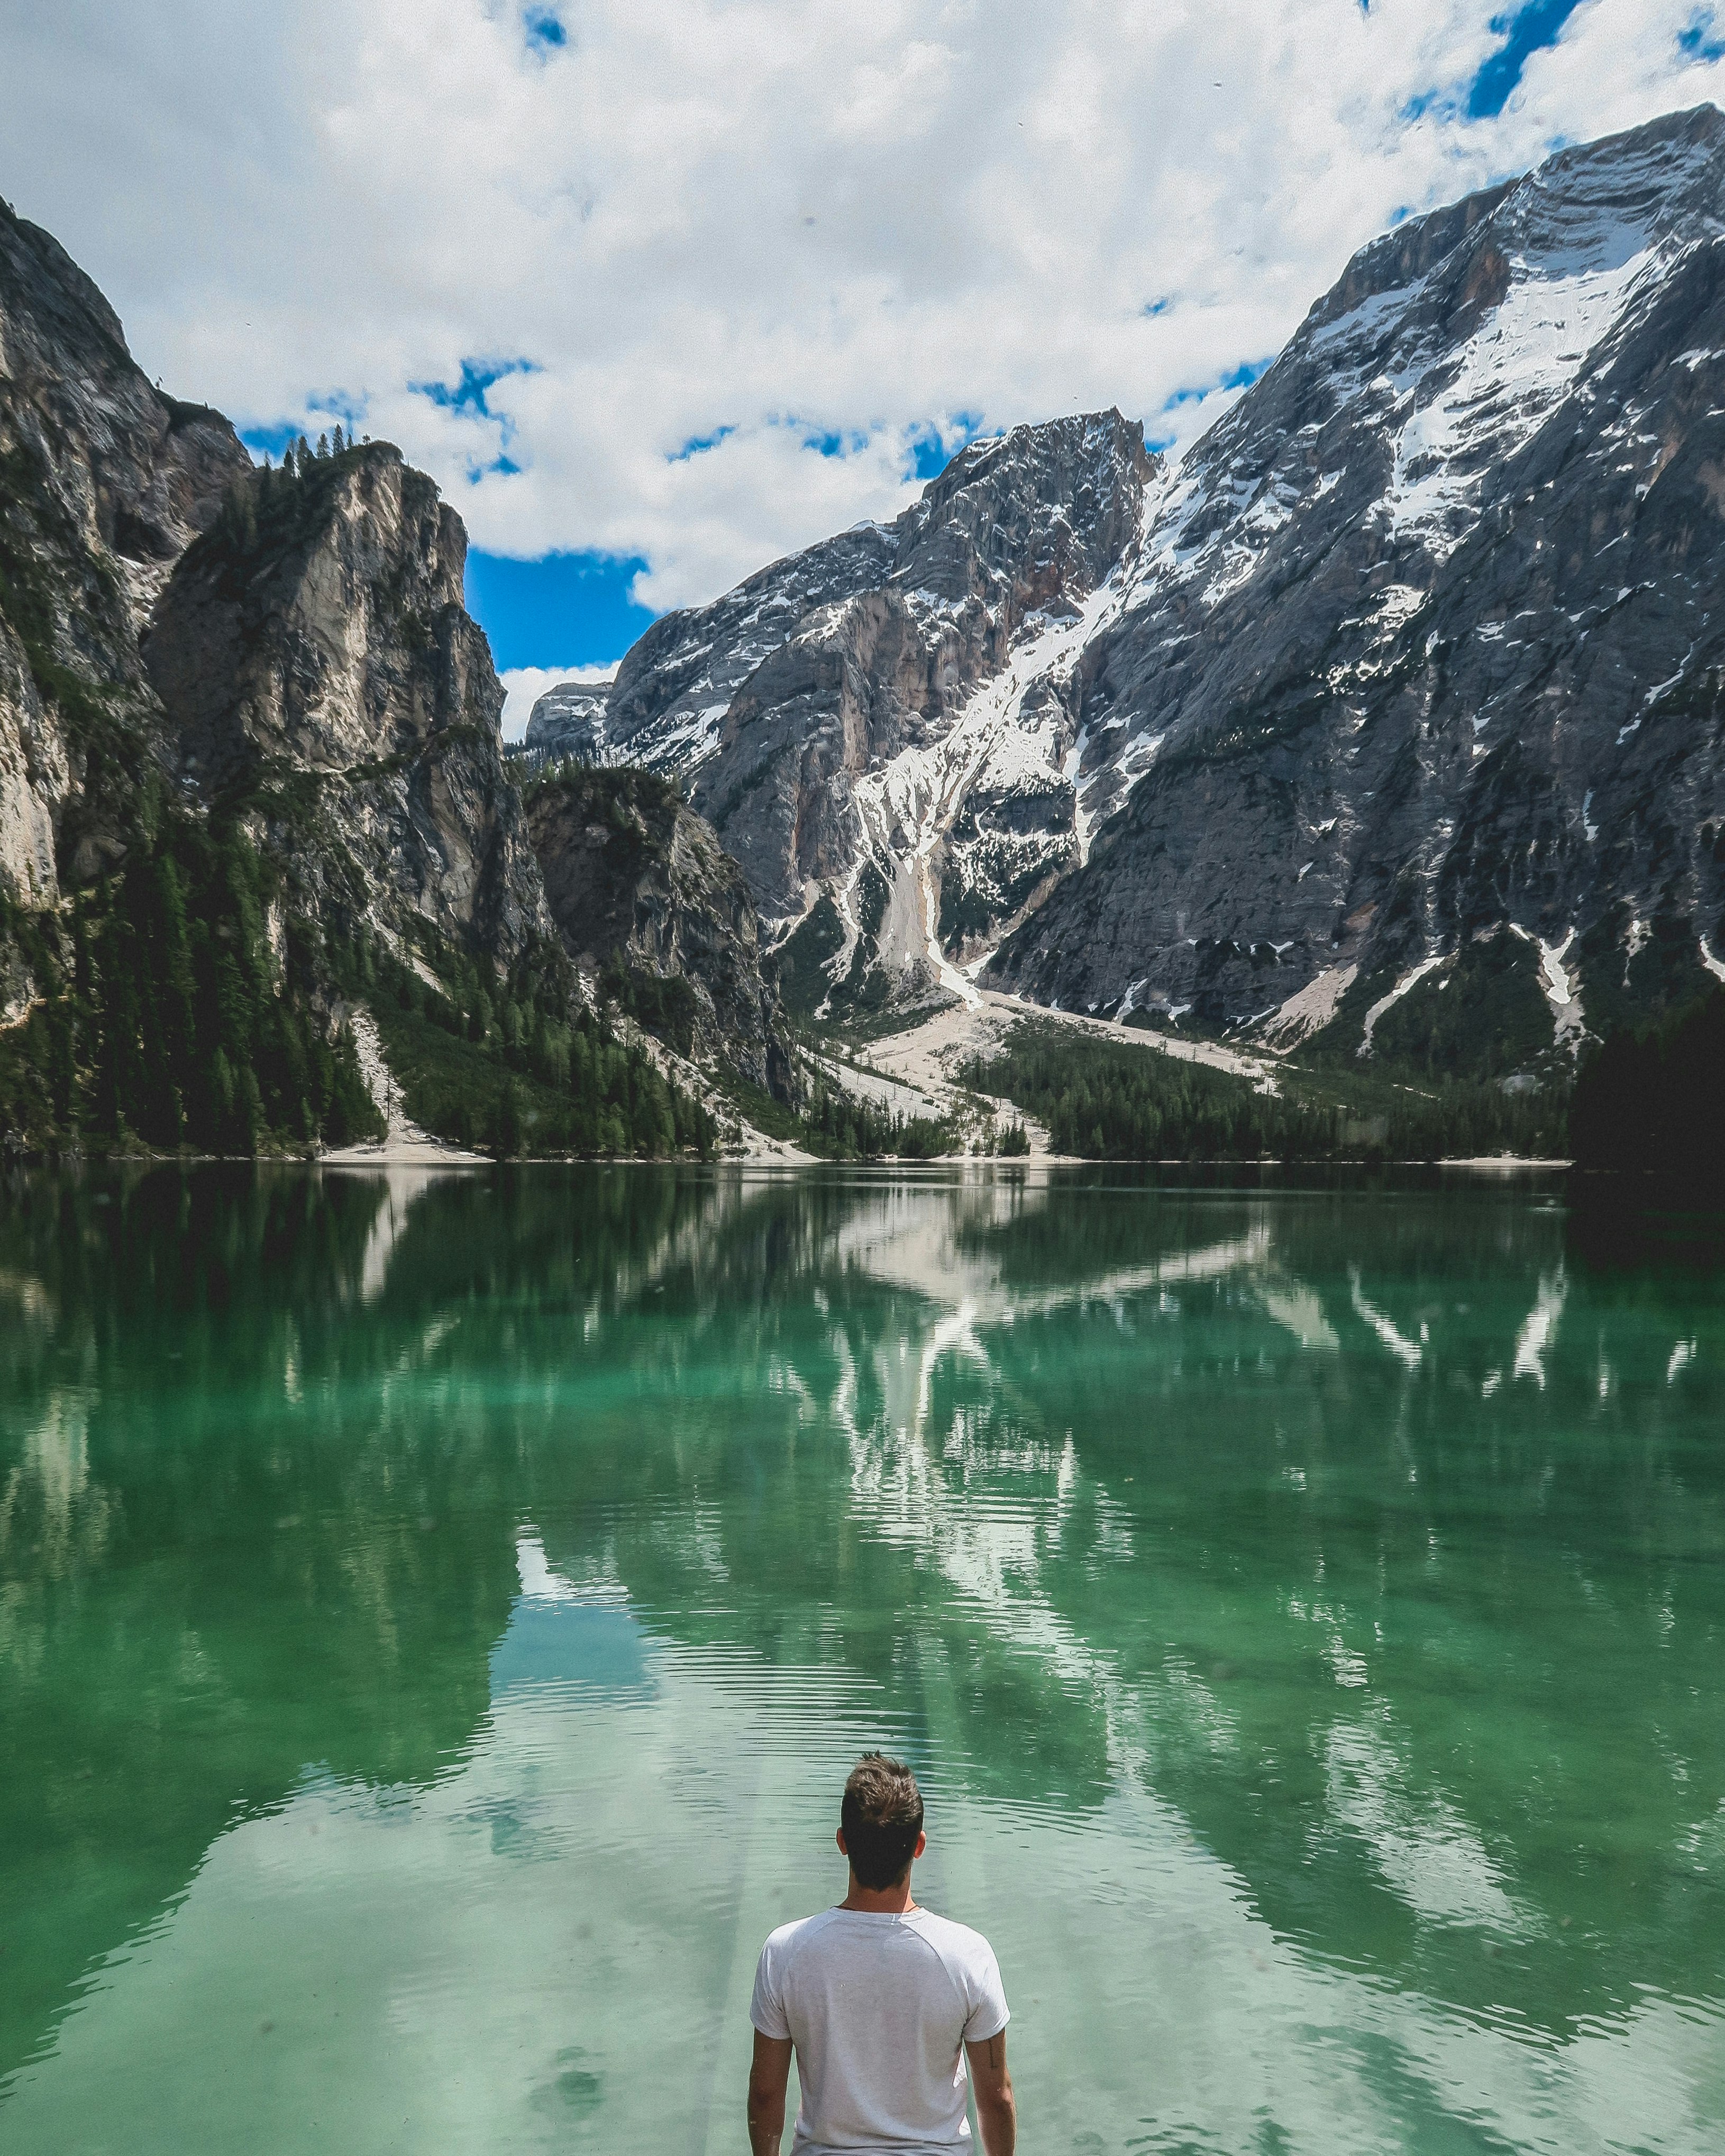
(317,666)
(644,895)
(103,481)
(1392,714)
(250,773)
(567,725)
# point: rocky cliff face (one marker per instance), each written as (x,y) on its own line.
(317,666)
(103,481)
(1415,681)
(643,894)
(833,714)
(251,771)
(295,649)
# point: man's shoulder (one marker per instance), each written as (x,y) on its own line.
(955,1939)
(788,1937)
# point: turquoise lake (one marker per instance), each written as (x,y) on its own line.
(437,1615)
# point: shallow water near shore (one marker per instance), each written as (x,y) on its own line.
(437,1613)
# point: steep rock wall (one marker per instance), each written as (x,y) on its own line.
(319,668)
(634,878)
(103,481)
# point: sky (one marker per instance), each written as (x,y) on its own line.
(659,290)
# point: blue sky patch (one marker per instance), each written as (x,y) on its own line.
(270,441)
(1237,378)
(477,379)
(1700,39)
(831,442)
(697,443)
(545,30)
(565,610)
(1245,374)
(321,414)
(933,448)
(1528,30)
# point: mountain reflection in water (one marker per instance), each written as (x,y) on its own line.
(435,1615)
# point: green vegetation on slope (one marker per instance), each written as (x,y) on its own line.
(156,1012)
(834,1125)
(158,1015)
(1104,1100)
(513,1065)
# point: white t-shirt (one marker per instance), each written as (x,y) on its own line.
(880,2008)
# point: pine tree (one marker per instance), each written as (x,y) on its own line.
(323,448)
(337,443)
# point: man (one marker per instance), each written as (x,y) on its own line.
(882,2002)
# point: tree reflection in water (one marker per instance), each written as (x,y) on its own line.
(1362,1544)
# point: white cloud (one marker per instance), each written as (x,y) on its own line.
(789,218)
(524,685)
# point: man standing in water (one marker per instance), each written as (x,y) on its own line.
(882,2002)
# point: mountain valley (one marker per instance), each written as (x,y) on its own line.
(1379,735)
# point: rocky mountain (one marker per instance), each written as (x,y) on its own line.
(103,481)
(251,778)
(832,715)
(1390,715)
(1413,692)
(645,896)
(316,662)
(566,722)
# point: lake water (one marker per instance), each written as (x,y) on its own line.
(436,1617)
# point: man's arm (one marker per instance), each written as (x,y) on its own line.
(996,2110)
(768,2077)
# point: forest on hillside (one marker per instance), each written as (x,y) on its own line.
(1104,1100)
(161,1014)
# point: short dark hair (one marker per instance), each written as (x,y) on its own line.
(881,1816)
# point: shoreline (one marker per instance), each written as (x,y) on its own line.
(430,1152)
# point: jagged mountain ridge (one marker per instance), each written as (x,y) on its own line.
(829,714)
(1418,648)
(1405,681)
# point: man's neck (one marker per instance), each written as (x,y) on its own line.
(894,1901)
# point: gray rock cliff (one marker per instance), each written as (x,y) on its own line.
(103,481)
(831,714)
(249,735)
(317,665)
(1422,652)
(639,888)
(566,723)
